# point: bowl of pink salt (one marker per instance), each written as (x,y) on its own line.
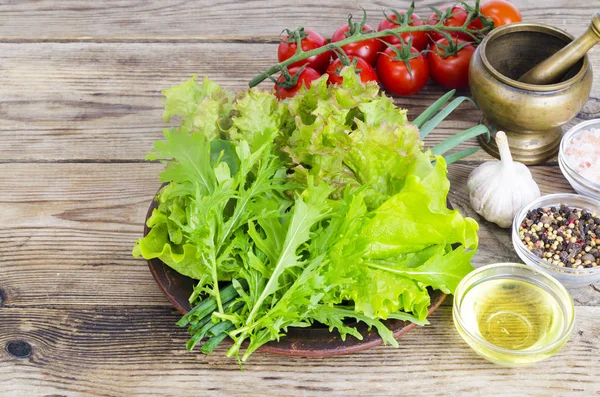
(579,158)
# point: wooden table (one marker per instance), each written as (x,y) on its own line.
(80,106)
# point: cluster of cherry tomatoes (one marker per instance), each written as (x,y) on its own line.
(402,67)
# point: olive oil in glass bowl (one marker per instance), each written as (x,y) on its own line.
(512,314)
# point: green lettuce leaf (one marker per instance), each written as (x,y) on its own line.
(203,107)
(191,159)
(380,158)
(404,246)
(157,244)
(351,136)
(258,118)
(415,218)
(441,271)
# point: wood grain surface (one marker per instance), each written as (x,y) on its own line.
(235,20)
(80,106)
(146,345)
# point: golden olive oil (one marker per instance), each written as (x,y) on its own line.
(512,314)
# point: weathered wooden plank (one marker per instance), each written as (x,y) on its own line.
(205,20)
(99,102)
(68,229)
(122,352)
(103,101)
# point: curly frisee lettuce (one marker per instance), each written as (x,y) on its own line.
(319,209)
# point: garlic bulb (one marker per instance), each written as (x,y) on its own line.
(499,189)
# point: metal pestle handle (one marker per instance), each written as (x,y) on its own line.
(553,68)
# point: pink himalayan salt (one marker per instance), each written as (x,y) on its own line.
(583,154)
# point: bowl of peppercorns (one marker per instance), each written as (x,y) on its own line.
(560,234)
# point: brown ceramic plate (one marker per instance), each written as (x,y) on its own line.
(309,342)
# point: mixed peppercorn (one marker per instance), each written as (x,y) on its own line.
(563,236)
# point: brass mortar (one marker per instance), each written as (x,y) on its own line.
(531,115)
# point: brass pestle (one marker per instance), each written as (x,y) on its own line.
(552,69)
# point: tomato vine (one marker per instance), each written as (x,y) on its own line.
(476,34)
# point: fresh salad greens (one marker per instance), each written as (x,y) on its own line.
(320,209)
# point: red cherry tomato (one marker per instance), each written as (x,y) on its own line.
(366,49)
(476,24)
(310,42)
(451,71)
(420,39)
(395,77)
(367,73)
(501,12)
(457,19)
(307,75)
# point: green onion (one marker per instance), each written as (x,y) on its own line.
(437,119)
(459,138)
(454,157)
(197,337)
(210,344)
(207,306)
(431,110)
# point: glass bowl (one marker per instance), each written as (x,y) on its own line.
(579,183)
(569,277)
(513,315)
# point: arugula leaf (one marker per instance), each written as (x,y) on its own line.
(291,309)
(334,316)
(211,190)
(308,210)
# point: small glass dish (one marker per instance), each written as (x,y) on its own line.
(512,314)
(580,184)
(569,277)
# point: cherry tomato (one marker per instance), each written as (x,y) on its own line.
(366,49)
(367,73)
(476,24)
(451,71)
(310,42)
(457,19)
(395,77)
(501,12)
(420,40)
(307,75)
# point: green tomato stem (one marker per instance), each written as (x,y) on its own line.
(301,55)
